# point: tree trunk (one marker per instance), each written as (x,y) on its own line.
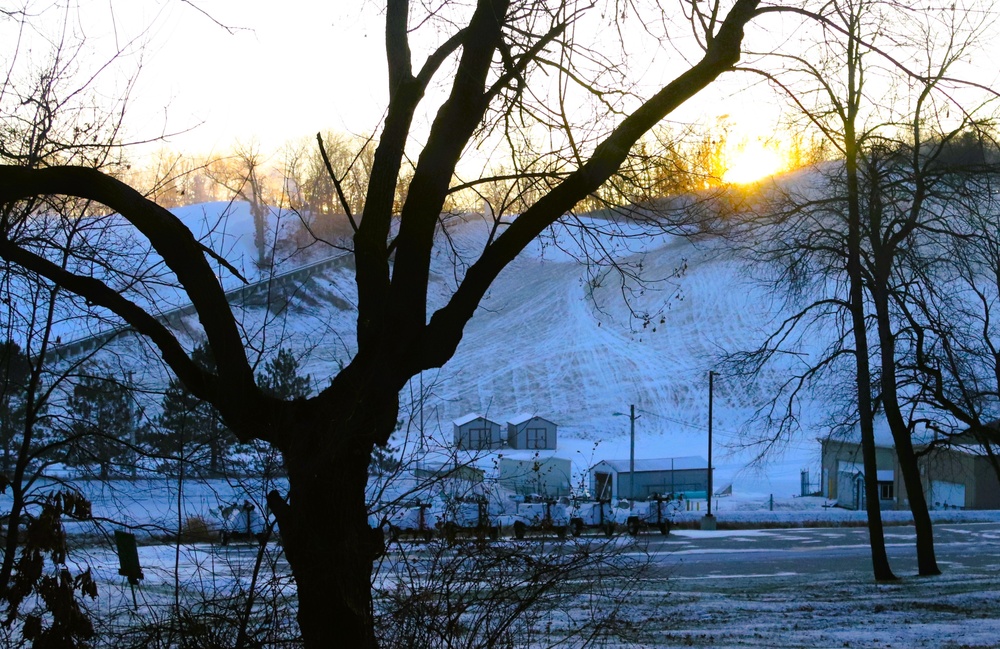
(876,531)
(329,545)
(926,561)
(866,415)
(12,538)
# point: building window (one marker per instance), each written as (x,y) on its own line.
(536,438)
(886,491)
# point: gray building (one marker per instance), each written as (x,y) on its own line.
(475,433)
(671,475)
(843,474)
(531,432)
(956,475)
(546,476)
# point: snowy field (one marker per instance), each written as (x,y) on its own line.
(555,339)
(957,610)
(750,605)
(560,339)
(746,605)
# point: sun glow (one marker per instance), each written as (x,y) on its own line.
(753,162)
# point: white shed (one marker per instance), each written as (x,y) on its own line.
(528,431)
(475,432)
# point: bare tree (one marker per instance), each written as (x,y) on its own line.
(243,175)
(492,52)
(954,364)
(862,223)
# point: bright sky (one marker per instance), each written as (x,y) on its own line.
(287,70)
(285,73)
(279,74)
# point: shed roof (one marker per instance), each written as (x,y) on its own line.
(684,463)
(472,416)
(524,417)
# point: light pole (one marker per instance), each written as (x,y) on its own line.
(631,454)
(708,521)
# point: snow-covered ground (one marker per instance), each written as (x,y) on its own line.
(552,340)
(744,604)
(957,610)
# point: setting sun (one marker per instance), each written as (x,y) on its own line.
(753,162)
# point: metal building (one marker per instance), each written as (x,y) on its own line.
(956,475)
(545,476)
(671,475)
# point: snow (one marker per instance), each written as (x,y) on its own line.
(472,416)
(521,418)
(555,341)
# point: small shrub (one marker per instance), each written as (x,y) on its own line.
(197,529)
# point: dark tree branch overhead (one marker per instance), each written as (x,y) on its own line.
(723,52)
(327,441)
(180,251)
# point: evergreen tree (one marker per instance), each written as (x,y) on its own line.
(281,379)
(188,428)
(103,424)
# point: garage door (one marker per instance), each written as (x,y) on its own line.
(947,495)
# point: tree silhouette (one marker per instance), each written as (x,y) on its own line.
(499,57)
(102,424)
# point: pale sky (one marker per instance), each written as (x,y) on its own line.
(288,69)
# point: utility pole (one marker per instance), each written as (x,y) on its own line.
(631,455)
(708,521)
(133,422)
(711,376)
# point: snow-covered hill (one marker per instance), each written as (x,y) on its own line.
(555,339)
(547,342)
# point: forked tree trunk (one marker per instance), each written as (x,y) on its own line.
(863,381)
(329,545)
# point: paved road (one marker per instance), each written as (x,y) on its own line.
(747,553)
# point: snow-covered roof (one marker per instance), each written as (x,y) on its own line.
(472,416)
(659,464)
(524,417)
(883,435)
(527,455)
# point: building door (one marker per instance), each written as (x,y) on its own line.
(603,486)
